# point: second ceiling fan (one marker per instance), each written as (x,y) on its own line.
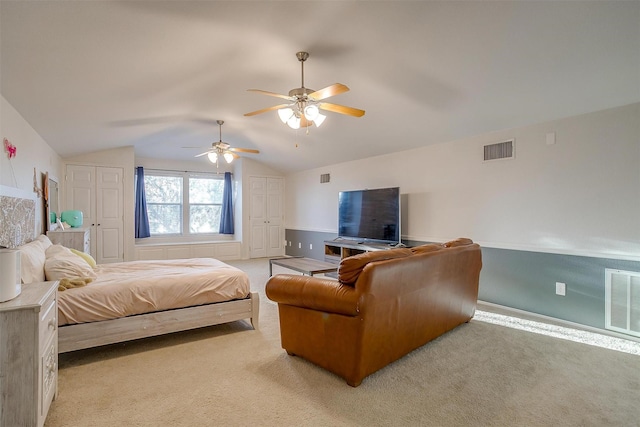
(223,149)
(304,105)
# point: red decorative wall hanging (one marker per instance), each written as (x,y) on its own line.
(9,148)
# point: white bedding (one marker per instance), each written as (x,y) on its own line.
(137,287)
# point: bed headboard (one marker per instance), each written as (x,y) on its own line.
(17,216)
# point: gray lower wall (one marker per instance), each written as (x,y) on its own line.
(520,279)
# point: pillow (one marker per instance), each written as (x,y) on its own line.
(423,249)
(32,259)
(85,256)
(463,241)
(62,263)
(351,267)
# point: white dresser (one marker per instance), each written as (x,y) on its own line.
(28,355)
(75,238)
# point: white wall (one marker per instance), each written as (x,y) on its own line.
(579,196)
(32,152)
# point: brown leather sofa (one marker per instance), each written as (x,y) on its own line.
(383,305)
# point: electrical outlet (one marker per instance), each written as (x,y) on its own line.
(299,245)
(561,289)
(310,246)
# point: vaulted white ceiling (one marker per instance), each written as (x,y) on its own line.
(94,75)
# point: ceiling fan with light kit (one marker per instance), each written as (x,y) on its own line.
(303,108)
(223,149)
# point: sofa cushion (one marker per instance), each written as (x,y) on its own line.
(423,249)
(462,241)
(351,267)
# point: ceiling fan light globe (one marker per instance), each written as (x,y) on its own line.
(294,122)
(228,157)
(319,120)
(285,114)
(311,112)
(213,157)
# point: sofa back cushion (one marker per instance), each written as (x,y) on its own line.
(351,267)
(462,241)
(429,247)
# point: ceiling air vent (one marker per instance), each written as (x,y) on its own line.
(501,150)
(324,178)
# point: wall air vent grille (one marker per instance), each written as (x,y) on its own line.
(501,150)
(622,301)
(324,178)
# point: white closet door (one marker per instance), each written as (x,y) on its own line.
(98,192)
(80,195)
(275,215)
(109,213)
(266,216)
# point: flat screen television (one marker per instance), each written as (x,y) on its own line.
(370,215)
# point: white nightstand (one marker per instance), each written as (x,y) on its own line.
(75,238)
(29,355)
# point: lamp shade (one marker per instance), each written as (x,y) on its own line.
(294,122)
(213,157)
(228,157)
(285,114)
(311,112)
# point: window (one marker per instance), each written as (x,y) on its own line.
(183,204)
(205,204)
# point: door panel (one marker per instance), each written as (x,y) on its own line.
(257,217)
(266,216)
(109,212)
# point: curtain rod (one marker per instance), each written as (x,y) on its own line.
(171,170)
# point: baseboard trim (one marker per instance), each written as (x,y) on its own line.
(514,312)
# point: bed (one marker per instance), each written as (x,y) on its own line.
(110,303)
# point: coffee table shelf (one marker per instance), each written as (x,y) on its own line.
(308,266)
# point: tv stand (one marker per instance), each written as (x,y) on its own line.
(335,250)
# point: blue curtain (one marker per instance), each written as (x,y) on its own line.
(142,220)
(226,219)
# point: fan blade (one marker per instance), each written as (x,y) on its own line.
(341,109)
(333,90)
(264,92)
(244,150)
(264,110)
(203,154)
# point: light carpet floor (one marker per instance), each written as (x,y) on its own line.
(480,374)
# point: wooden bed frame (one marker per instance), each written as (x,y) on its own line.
(86,335)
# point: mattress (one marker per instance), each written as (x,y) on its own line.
(138,287)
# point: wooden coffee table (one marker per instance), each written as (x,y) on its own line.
(308,266)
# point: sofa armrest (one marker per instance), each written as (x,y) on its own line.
(313,293)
